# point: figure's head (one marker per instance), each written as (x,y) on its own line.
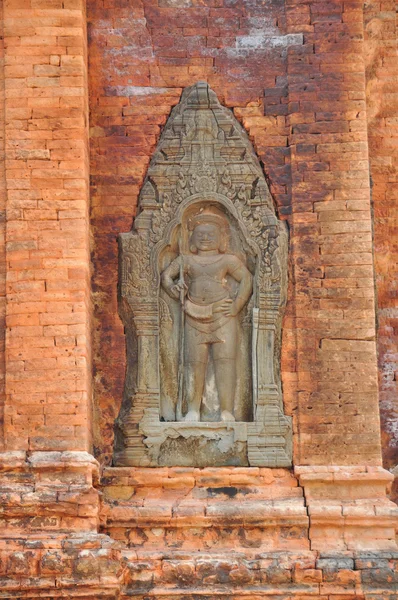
(208,233)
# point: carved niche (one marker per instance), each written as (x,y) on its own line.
(202,288)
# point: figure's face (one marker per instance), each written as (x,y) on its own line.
(206,237)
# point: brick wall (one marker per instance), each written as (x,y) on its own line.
(3,196)
(333,308)
(306,115)
(294,74)
(141,55)
(47,260)
(312,96)
(382,108)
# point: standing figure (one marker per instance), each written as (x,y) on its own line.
(211,310)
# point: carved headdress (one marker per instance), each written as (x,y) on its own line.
(208,217)
(205,217)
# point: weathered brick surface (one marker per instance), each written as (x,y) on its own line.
(240,508)
(306,115)
(3,197)
(348,507)
(381,53)
(285,575)
(182,533)
(332,316)
(345,508)
(76,566)
(47,238)
(48,521)
(318,104)
(141,55)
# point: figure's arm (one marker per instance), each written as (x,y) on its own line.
(245,279)
(240,273)
(168,276)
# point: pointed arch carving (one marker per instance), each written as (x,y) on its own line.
(204,165)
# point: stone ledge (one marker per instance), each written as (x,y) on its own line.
(221,514)
(51,491)
(50,460)
(207,476)
(164,505)
(334,473)
(348,507)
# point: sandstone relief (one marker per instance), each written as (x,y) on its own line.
(202,289)
(211,286)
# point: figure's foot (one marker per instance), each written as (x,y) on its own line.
(227,416)
(191,415)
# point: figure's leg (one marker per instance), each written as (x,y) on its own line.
(224,355)
(194,376)
(225,372)
(195,358)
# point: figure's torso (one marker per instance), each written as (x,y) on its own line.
(207,282)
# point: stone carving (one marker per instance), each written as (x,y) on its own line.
(202,290)
(208,313)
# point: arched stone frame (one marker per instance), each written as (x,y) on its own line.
(203,154)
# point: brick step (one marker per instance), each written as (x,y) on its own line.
(193,508)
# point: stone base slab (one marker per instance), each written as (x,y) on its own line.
(156,443)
